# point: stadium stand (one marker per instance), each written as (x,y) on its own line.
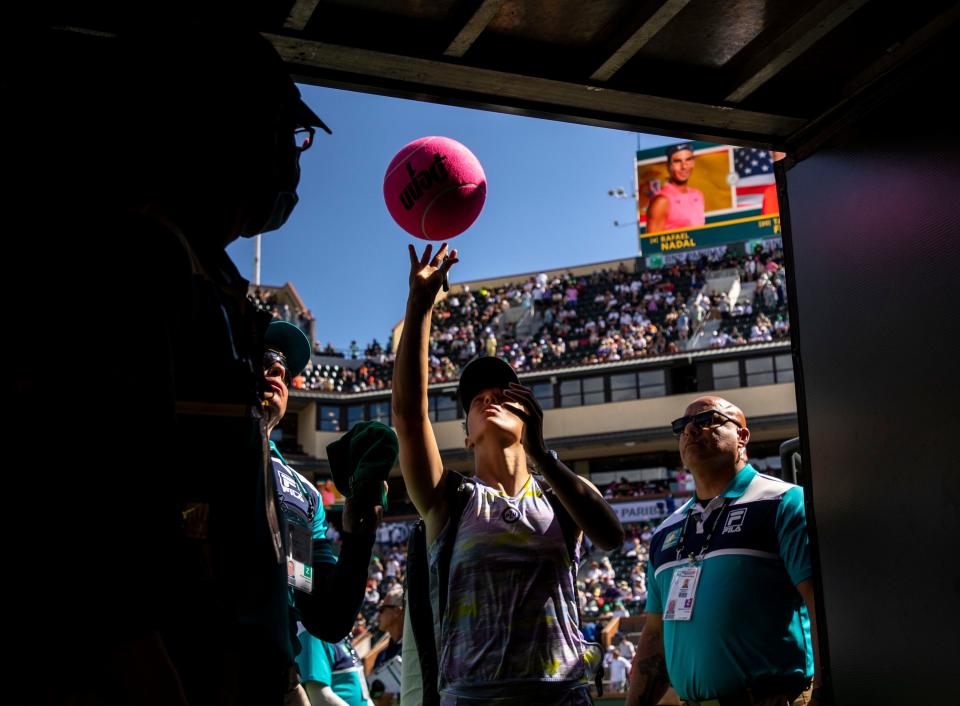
(543,322)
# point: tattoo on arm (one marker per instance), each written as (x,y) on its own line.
(649,678)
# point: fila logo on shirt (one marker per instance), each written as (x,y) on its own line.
(734,520)
(290,486)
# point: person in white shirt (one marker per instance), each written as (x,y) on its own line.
(619,672)
(608,658)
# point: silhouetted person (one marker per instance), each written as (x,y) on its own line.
(160,558)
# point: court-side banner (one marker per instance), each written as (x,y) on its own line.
(643,510)
(697,195)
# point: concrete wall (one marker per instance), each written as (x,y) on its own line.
(633,415)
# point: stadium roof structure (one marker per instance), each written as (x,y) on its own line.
(771,73)
(287,291)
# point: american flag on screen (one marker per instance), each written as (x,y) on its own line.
(754,169)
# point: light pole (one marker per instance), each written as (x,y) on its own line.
(256,261)
(620,193)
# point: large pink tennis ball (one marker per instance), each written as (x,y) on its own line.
(434,188)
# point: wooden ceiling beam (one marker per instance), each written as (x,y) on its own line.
(899,53)
(300,14)
(647,31)
(857,101)
(478,22)
(792,43)
(460,84)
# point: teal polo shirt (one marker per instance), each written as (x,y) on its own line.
(297,495)
(333,665)
(749,623)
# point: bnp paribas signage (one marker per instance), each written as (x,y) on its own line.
(643,510)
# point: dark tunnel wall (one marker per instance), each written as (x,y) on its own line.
(874,226)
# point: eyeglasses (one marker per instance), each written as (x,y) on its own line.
(303,138)
(275,366)
(702,420)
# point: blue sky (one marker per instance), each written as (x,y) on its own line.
(547,206)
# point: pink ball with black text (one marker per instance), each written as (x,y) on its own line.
(434,188)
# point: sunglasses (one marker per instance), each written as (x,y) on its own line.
(275,365)
(702,420)
(303,138)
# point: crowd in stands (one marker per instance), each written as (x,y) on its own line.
(624,488)
(609,315)
(761,320)
(563,320)
(615,584)
(326,377)
(388,567)
(372,351)
(267,300)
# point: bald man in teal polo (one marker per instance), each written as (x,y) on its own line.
(730,602)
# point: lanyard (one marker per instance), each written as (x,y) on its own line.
(308,496)
(706,542)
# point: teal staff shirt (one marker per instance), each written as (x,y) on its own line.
(749,622)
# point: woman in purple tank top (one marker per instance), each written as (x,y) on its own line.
(509,632)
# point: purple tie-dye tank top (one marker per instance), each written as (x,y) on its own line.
(511,617)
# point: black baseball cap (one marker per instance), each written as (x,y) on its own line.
(291,341)
(672,149)
(224,70)
(481,373)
